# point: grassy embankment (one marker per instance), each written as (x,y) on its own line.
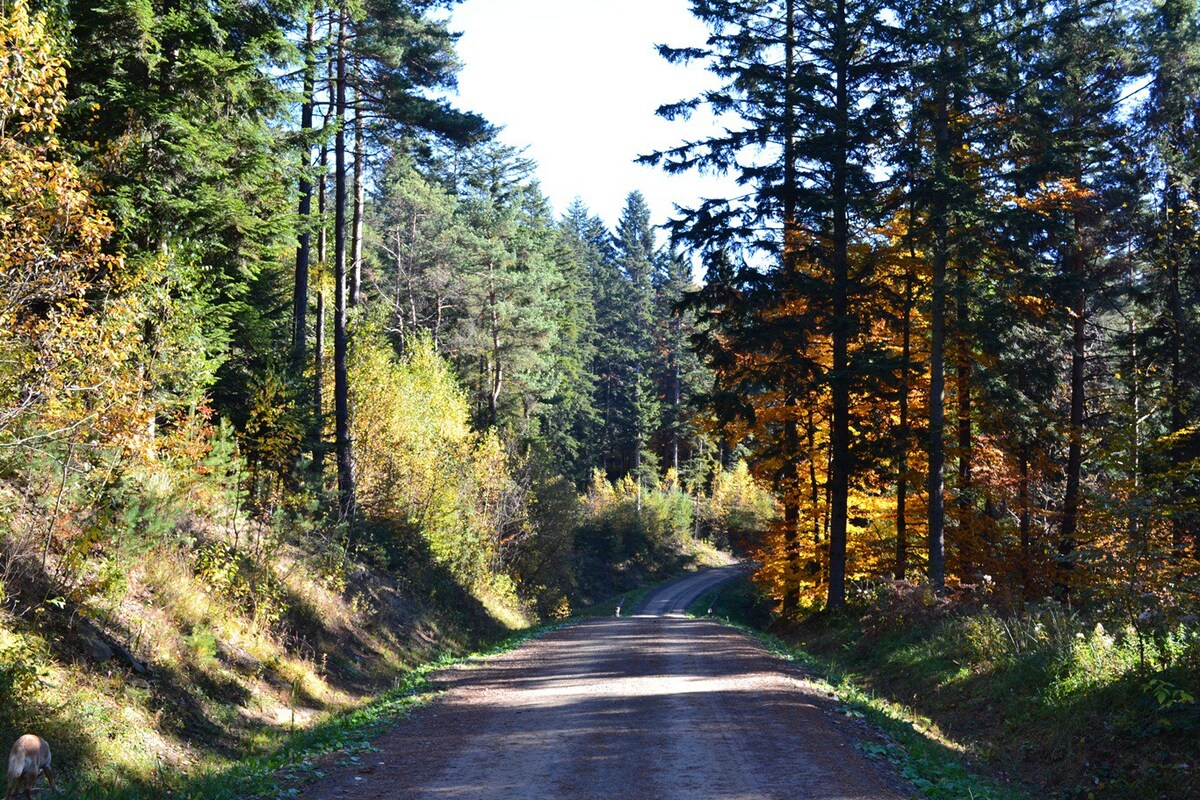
(1045,704)
(280,771)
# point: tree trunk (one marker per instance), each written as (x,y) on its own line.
(1075,429)
(902,434)
(356,240)
(1174,212)
(497,368)
(1070,517)
(963,500)
(341,384)
(937,350)
(319,391)
(676,392)
(300,288)
(791,514)
(322,210)
(791,251)
(330,109)
(791,546)
(1026,522)
(839,468)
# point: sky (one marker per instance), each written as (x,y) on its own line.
(578,82)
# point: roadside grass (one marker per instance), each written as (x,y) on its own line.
(935,765)
(1072,706)
(1078,707)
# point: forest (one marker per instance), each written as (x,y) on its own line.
(303,378)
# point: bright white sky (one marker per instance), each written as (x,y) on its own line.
(578,81)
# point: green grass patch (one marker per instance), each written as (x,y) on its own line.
(1070,704)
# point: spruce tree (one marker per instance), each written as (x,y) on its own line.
(809,78)
(174,106)
(1081,146)
(637,256)
(608,291)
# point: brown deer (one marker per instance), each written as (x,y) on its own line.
(28,760)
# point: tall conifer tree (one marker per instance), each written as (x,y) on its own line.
(807,77)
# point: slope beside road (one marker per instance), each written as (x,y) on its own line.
(652,706)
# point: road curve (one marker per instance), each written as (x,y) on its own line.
(649,706)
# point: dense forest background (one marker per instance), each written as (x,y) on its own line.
(954,312)
(293,350)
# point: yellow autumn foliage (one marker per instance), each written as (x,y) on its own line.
(64,323)
(420,464)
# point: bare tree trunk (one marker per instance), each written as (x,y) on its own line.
(412,269)
(937,354)
(497,368)
(902,436)
(790,484)
(676,393)
(319,390)
(322,210)
(1070,517)
(1174,212)
(963,380)
(437,323)
(330,109)
(1135,445)
(398,285)
(1025,521)
(341,384)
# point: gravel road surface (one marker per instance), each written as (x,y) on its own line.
(650,706)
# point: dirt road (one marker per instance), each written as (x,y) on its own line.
(649,706)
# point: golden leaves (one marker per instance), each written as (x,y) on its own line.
(1061,194)
(65,359)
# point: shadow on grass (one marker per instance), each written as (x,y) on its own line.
(283,771)
(416,616)
(1096,738)
(290,765)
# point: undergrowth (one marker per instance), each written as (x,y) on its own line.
(1076,706)
(281,771)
